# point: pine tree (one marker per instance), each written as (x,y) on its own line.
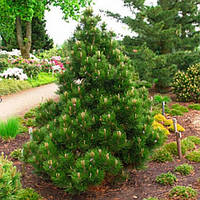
(101,123)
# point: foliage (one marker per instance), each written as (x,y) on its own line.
(193,156)
(42,79)
(156,125)
(194,106)
(172,148)
(9,86)
(183,193)
(188,144)
(15,13)
(4,64)
(40,39)
(184,169)
(166,179)
(176,109)
(30,114)
(9,129)
(162,155)
(16,154)
(101,122)
(158,99)
(10,186)
(30,70)
(194,139)
(186,84)
(10,179)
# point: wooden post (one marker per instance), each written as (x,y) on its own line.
(151,104)
(163,108)
(178,138)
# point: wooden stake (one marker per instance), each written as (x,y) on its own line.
(163,108)
(178,138)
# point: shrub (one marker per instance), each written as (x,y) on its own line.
(186,84)
(194,139)
(176,109)
(9,86)
(166,179)
(9,129)
(10,179)
(193,156)
(162,155)
(31,70)
(159,126)
(16,154)
(184,169)
(183,193)
(10,186)
(101,122)
(158,99)
(172,148)
(194,106)
(188,144)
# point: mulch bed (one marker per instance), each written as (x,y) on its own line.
(141,183)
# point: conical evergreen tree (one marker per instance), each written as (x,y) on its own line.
(101,122)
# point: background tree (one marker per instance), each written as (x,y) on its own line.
(168,29)
(40,39)
(18,12)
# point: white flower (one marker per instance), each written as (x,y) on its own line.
(15,73)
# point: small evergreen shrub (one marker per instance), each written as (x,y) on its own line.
(16,154)
(101,123)
(172,148)
(176,110)
(188,144)
(194,106)
(184,169)
(158,99)
(186,84)
(193,156)
(162,155)
(9,129)
(183,193)
(194,139)
(10,186)
(166,179)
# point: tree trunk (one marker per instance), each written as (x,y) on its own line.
(24,43)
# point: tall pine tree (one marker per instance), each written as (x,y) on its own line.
(101,123)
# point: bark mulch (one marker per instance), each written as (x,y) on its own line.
(140,184)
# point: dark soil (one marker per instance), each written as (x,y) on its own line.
(141,183)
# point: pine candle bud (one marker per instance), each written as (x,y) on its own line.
(46,144)
(109,116)
(66,93)
(92,154)
(47,126)
(78,42)
(79,175)
(99,73)
(74,101)
(79,89)
(72,52)
(116,162)
(98,53)
(66,156)
(54,120)
(83,115)
(97,171)
(91,47)
(83,163)
(93,119)
(57,175)
(107,156)
(64,117)
(105,100)
(134,101)
(51,135)
(119,133)
(50,162)
(81,54)
(100,151)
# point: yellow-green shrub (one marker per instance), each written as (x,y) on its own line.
(186,85)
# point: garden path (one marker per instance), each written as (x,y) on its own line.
(18,104)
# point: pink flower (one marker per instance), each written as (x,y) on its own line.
(135,50)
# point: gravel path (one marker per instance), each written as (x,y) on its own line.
(18,104)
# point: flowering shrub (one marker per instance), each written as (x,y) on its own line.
(14,73)
(186,85)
